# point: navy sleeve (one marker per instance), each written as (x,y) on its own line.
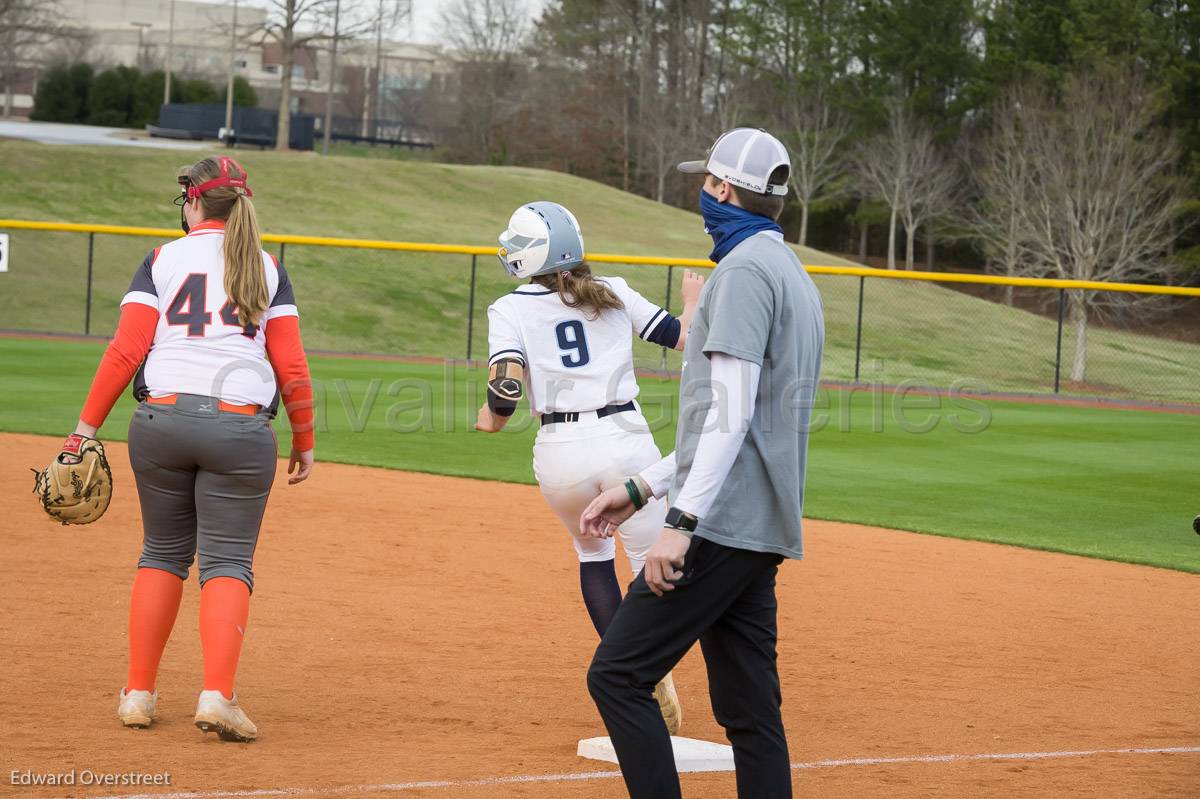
(284,295)
(665,332)
(143,281)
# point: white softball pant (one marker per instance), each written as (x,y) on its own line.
(575,461)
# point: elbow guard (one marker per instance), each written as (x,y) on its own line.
(505,386)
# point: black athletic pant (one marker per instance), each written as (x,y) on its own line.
(726,600)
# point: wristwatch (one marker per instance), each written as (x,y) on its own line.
(685,522)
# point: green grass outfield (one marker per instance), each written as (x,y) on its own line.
(1116,484)
(416,304)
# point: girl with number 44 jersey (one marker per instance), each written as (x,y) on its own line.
(212,321)
(564,341)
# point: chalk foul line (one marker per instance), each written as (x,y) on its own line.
(582,776)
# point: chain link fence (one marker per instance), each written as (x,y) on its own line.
(884,333)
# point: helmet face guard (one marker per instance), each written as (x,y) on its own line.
(515,249)
(542,237)
(192,192)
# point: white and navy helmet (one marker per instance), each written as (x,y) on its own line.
(542,237)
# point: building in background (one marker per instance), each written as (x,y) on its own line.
(369,102)
(135,33)
(382,90)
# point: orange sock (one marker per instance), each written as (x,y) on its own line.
(152,612)
(224,609)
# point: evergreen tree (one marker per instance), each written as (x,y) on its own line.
(57,99)
(243,93)
(111,101)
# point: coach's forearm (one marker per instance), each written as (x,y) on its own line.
(658,476)
(724,431)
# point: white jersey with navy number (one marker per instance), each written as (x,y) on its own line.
(200,346)
(574,363)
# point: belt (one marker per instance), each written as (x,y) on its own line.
(573,416)
(245,410)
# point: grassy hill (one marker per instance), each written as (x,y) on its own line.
(417,304)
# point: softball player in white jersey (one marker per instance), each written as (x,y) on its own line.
(564,340)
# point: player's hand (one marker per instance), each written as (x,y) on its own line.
(693,284)
(606,513)
(665,559)
(301,463)
(69,452)
(487,421)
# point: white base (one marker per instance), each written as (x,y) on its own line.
(690,754)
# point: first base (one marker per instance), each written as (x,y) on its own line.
(690,754)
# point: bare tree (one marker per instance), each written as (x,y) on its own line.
(297,24)
(1102,196)
(882,168)
(486,30)
(486,37)
(905,169)
(817,134)
(932,186)
(25,25)
(671,98)
(1001,174)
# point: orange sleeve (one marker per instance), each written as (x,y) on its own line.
(125,353)
(286,353)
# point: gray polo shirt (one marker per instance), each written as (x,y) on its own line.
(760,306)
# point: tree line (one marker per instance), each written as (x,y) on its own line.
(1031,137)
(122,97)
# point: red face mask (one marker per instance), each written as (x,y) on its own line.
(193,192)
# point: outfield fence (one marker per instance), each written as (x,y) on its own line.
(903,329)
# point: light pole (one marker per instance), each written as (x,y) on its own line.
(141,56)
(170,52)
(326,131)
(378,71)
(229,85)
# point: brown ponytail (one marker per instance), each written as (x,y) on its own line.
(579,289)
(245,278)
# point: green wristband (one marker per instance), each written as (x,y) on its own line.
(635,495)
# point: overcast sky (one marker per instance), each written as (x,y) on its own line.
(425,17)
(426,14)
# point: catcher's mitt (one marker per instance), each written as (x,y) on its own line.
(77,485)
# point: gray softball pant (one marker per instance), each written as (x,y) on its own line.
(203,477)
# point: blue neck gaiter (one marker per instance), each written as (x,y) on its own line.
(729,225)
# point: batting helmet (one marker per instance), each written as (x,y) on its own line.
(542,237)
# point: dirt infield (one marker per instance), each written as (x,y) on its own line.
(408,638)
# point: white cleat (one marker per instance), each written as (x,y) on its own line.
(668,704)
(136,708)
(215,713)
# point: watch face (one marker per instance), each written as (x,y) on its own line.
(677,518)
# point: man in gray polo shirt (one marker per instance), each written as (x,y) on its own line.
(736,487)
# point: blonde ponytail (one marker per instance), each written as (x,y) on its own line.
(578,288)
(245,280)
(245,277)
